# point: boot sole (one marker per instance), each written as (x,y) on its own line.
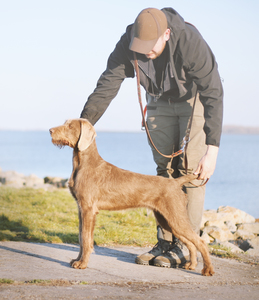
(163,264)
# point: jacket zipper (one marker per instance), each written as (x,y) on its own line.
(154,95)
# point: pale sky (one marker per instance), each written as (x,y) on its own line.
(53,51)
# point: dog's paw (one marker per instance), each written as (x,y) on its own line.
(190,266)
(208,271)
(72,261)
(78,264)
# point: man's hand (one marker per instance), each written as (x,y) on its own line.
(207,164)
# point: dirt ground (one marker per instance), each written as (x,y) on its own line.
(42,271)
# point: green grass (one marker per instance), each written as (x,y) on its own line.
(6,281)
(42,216)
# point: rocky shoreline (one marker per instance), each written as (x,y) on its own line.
(18,180)
(228,227)
(232,229)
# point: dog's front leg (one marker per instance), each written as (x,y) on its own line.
(80,238)
(87,221)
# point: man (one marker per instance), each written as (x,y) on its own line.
(174,62)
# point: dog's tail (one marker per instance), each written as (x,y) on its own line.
(186,178)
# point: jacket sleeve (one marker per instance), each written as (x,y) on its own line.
(203,70)
(108,85)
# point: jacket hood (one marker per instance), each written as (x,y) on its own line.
(176,24)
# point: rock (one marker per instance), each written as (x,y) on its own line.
(253,251)
(13,179)
(218,233)
(244,235)
(217,223)
(251,227)
(235,215)
(231,226)
(34,181)
(243,245)
(225,225)
(207,238)
(57,181)
(233,248)
(16,180)
(254,242)
(225,216)
(208,215)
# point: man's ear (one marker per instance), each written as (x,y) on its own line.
(167,34)
(87,135)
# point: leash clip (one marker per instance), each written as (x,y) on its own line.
(184,143)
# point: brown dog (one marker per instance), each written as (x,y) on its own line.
(98,185)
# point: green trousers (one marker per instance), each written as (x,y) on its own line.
(167,122)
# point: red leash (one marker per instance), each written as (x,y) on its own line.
(186,139)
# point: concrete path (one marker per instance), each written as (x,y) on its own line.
(112,274)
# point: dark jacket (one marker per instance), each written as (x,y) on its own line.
(191,64)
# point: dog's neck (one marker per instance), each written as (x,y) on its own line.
(87,158)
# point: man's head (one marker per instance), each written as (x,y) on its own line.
(150,33)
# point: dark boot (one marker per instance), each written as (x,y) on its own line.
(160,248)
(176,256)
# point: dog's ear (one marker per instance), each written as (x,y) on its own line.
(87,135)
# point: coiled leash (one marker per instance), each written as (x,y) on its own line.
(186,138)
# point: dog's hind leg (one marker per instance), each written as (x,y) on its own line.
(191,239)
(207,265)
(181,228)
(192,249)
(88,216)
(191,265)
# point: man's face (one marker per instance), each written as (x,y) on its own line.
(159,46)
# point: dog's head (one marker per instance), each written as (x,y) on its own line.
(75,133)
